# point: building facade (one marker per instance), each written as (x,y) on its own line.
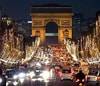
(77,25)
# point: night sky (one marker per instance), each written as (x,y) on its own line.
(20,9)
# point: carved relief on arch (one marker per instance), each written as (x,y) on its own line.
(37,23)
(51,20)
(37,33)
(66,33)
(65,23)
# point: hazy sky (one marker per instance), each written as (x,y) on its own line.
(20,9)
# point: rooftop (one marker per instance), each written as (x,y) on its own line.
(51,8)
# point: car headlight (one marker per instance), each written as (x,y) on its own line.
(38,79)
(38,64)
(15,77)
(31,74)
(1,80)
(45,74)
(21,80)
(21,75)
(15,83)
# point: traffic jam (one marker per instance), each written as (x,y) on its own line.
(41,73)
(46,74)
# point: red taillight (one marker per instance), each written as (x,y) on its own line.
(88,78)
(77,80)
(83,80)
(98,78)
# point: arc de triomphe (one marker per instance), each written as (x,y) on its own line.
(59,14)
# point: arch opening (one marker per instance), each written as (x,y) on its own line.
(51,33)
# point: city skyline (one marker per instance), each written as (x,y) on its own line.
(20,9)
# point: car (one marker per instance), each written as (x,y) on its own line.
(10,72)
(41,75)
(38,78)
(9,76)
(92,76)
(15,76)
(66,75)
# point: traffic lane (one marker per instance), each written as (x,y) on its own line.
(52,83)
(62,83)
(93,83)
(66,83)
(34,83)
(71,83)
(55,83)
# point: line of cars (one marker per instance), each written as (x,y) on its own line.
(17,77)
(22,75)
(93,76)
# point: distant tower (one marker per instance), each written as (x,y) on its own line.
(77,22)
(0,12)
